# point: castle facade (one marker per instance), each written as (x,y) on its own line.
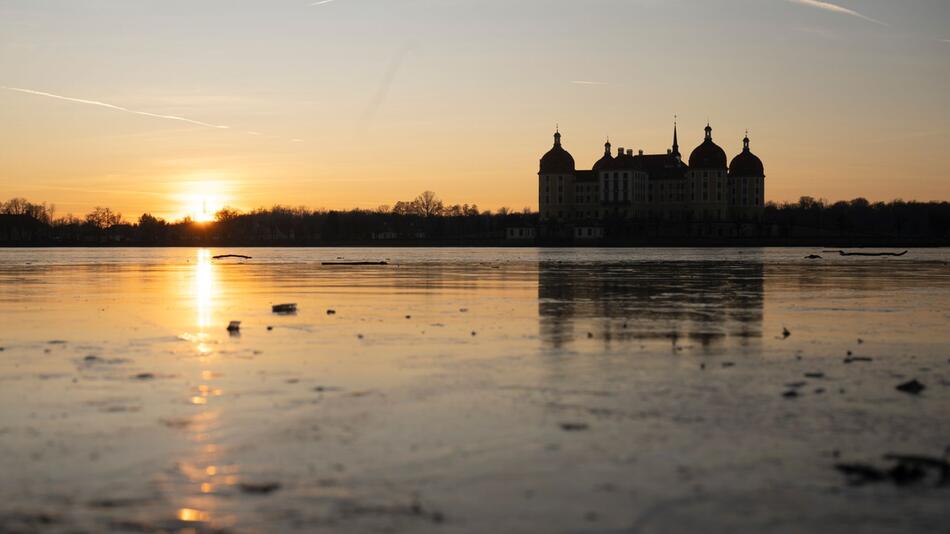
(629,186)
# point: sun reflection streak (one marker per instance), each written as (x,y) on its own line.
(204,289)
(203,469)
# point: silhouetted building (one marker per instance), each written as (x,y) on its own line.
(653,186)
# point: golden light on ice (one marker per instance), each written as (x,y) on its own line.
(190,515)
(204,288)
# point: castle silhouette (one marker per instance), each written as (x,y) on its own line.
(652,186)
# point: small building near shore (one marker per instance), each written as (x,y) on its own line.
(521,233)
(585,233)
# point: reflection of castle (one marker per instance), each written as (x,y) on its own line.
(705,301)
(654,186)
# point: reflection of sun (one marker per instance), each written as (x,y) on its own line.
(203,470)
(204,288)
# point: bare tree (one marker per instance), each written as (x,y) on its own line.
(226,214)
(103,218)
(16,206)
(429,204)
(403,208)
(41,212)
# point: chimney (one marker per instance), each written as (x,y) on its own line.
(629,151)
(669,151)
(619,152)
(641,152)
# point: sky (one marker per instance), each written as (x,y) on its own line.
(179,107)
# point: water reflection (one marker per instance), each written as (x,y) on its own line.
(200,467)
(204,289)
(703,301)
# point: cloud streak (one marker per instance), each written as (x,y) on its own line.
(587,82)
(116,108)
(322,2)
(835,8)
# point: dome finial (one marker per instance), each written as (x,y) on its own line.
(557,135)
(708,131)
(745,142)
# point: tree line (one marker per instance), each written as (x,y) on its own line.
(427,219)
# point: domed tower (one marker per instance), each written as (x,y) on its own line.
(556,182)
(707,181)
(747,184)
(605,161)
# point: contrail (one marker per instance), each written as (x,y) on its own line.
(384,86)
(835,8)
(114,107)
(322,2)
(586,82)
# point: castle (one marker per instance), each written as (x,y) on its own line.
(652,186)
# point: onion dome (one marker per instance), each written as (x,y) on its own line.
(557,160)
(604,162)
(746,163)
(708,155)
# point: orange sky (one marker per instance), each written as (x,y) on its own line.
(180,108)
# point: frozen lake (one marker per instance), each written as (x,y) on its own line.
(469,390)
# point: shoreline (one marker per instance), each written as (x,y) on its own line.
(804,244)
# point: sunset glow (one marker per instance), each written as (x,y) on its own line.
(201,199)
(287,119)
(539,266)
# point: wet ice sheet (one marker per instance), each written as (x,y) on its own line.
(458,390)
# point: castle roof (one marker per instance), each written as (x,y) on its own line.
(708,155)
(557,160)
(746,163)
(662,166)
(606,161)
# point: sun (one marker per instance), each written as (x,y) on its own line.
(201,207)
(200,200)
(204,215)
